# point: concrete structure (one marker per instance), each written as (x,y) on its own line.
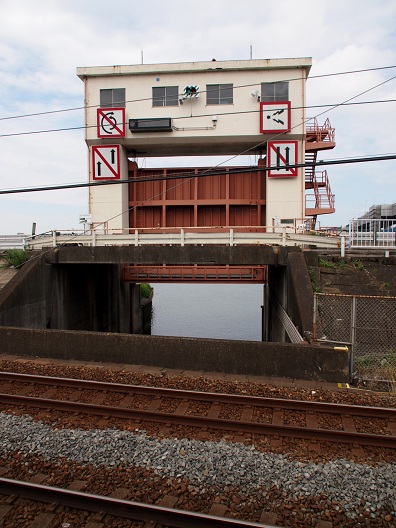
(254,107)
(81,288)
(212,108)
(70,302)
(304,362)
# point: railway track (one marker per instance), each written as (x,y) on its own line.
(156,515)
(274,417)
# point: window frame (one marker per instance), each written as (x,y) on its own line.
(214,95)
(114,100)
(277,95)
(167,99)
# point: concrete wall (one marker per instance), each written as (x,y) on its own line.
(235,357)
(155,255)
(79,288)
(78,297)
(300,293)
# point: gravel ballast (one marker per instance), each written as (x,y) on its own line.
(206,463)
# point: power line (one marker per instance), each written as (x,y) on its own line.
(87,184)
(331,105)
(206,173)
(312,77)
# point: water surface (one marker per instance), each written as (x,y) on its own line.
(219,311)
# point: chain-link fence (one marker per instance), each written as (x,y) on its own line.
(366,324)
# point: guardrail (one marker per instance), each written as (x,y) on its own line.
(372,233)
(12,242)
(282,236)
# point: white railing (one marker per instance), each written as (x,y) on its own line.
(282,236)
(12,242)
(368,233)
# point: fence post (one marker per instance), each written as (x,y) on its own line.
(284,236)
(343,243)
(353,336)
(315,308)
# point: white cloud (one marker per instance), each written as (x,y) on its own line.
(42,43)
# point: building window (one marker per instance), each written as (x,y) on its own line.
(219,94)
(112,97)
(166,96)
(275,91)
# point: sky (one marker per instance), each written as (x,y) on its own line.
(42,42)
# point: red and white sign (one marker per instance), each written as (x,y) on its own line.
(110,122)
(106,162)
(281,154)
(275,117)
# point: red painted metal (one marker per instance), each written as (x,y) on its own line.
(222,200)
(207,274)
(321,199)
(319,137)
(218,201)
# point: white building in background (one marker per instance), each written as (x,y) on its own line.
(254,107)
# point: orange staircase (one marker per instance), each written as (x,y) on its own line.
(320,199)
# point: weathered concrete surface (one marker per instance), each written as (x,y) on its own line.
(6,274)
(300,293)
(83,297)
(306,362)
(155,255)
(357,275)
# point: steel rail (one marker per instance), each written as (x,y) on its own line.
(218,397)
(204,421)
(119,508)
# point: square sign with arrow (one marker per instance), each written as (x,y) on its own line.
(106,162)
(275,117)
(280,155)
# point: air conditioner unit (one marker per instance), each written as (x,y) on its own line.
(157,124)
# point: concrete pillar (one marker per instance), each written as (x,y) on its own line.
(265,314)
(135,310)
(277,289)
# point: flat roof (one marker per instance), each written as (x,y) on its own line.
(189,67)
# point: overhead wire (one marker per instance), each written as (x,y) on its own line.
(190,177)
(221,114)
(255,147)
(248,150)
(206,173)
(311,77)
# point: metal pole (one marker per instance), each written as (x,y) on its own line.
(343,246)
(353,336)
(315,309)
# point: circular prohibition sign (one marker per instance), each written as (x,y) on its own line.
(108,122)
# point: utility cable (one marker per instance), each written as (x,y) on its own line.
(48,112)
(221,114)
(247,150)
(207,173)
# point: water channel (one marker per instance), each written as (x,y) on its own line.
(219,311)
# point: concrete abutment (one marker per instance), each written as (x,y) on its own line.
(71,303)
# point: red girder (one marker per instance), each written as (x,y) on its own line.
(198,273)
